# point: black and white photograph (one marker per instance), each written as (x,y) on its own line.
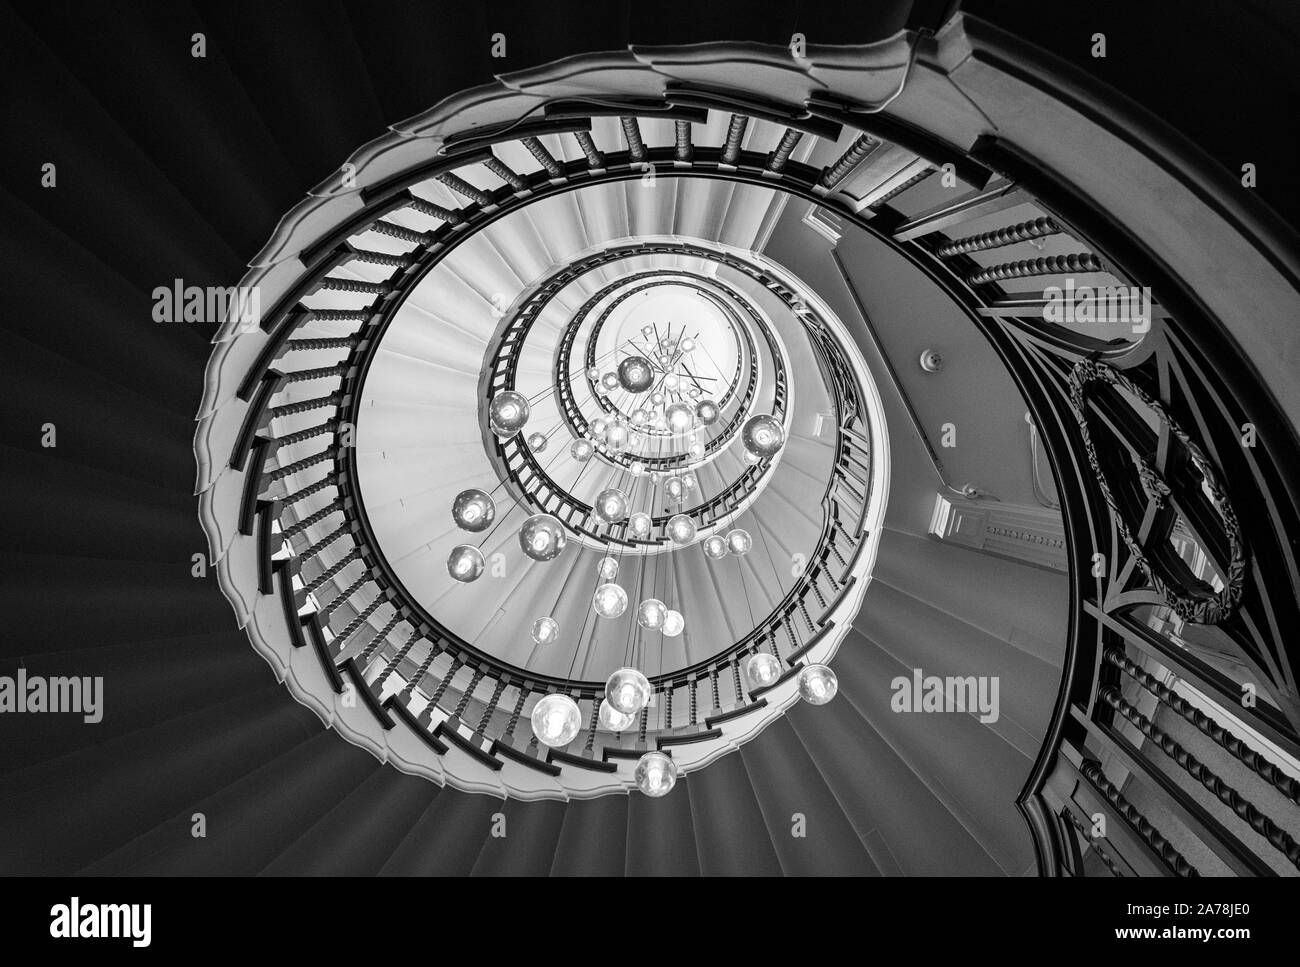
(628,439)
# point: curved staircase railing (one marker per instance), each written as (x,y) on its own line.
(1172,746)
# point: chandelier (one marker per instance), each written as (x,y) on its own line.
(655,391)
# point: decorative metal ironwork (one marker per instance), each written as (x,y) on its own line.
(1179,590)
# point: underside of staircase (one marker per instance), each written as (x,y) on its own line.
(172,167)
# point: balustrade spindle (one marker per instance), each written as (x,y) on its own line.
(305,406)
(1086,833)
(684,150)
(441,690)
(399,232)
(341,639)
(462,187)
(518,711)
(1243,753)
(319,581)
(337,601)
(333,507)
(632,134)
(504,172)
(279,473)
(330,480)
(779,157)
(427,208)
(1052,265)
(849,160)
(898,189)
(1023,232)
(591,727)
(468,693)
(314,549)
(594,158)
(1193,766)
(332,284)
(544,157)
(1140,824)
(302,345)
(735,136)
(291,439)
(364,657)
(399,657)
(423,670)
(380,258)
(491,706)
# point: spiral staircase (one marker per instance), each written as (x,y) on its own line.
(811,222)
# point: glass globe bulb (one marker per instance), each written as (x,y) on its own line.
(675,488)
(689,481)
(616,437)
(607,568)
(680,417)
(507,413)
(593,374)
(639,524)
(715,547)
(681,529)
(688,344)
(762,669)
(650,614)
(635,374)
(598,426)
(672,382)
(656,774)
(609,601)
(739,542)
(627,691)
(674,624)
(696,450)
(639,416)
(537,442)
(545,630)
(610,505)
(818,684)
(762,435)
(473,510)
(752,458)
(542,537)
(465,563)
(582,450)
(612,720)
(657,398)
(610,381)
(556,720)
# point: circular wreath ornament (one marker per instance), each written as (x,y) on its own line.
(1198,608)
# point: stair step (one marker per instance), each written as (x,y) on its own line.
(447,839)
(528,844)
(661,834)
(794,798)
(593,837)
(361,831)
